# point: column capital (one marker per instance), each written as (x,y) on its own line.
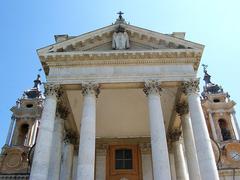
(175,135)
(191,86)
(182,108)
(70,138)
(52,89)
(145,147)
(152,87)
(90,88)
(62,111)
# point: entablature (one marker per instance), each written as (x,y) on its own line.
(120,58)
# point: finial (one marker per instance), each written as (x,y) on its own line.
(120,19)
(204,68)
(120,15)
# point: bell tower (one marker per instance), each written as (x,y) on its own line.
(222,124)
(23,129)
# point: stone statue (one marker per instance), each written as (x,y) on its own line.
(120,39)
(37,82)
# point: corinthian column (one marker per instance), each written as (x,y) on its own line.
(66,170)
(160,159)
(41,159)
(205,154)
(180,164)
(86,156)
(55,164)
(189,143)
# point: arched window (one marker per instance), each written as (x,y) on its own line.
(23,131)
(226,135)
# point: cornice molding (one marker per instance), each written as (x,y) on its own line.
(120,58)
(100,35)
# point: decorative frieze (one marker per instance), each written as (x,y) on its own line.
(191,86)
(152,87)
(182,108)
(90,88)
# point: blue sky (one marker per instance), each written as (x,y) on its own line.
(29,25)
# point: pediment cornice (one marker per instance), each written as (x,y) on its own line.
(88,41)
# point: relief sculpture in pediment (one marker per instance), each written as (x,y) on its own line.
(120,40)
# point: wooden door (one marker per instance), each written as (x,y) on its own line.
(123,162)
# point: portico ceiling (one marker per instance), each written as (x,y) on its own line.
(122,112)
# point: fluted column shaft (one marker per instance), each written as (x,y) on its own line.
(179,159)
(160,158)
(189,143)
(86,156)
(205,154)
(41,160)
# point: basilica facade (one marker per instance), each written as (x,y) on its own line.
(122,103)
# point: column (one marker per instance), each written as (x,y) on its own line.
(8,140)
(189,143)
(205,154)
(67,162)
(160,158)
(28,137)
(41,159)
(15,133)
(212,125)
(33,133)
(235,125)
(86,156)
(56,150)
(179,159)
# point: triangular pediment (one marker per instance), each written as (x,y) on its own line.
(102,40)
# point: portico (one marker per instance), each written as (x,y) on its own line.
(121,105)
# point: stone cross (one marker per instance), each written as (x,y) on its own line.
(120,14)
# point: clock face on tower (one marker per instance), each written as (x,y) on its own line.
(235,155)
(233,152)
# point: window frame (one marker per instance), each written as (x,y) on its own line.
(135,160)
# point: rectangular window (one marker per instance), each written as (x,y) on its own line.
(123,159)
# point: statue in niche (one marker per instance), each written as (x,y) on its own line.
(120,39)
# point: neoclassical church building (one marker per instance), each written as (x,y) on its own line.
(122,103)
